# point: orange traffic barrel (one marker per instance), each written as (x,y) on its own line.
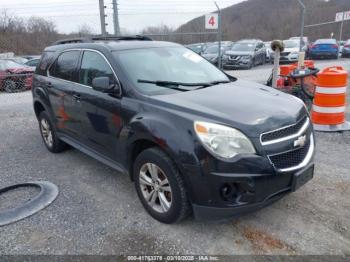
(307,64)
(329,105)
(285,70)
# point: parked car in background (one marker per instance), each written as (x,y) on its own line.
(346,49)
(29,57)
(211,53)
(197,48)
(18,60)
(324,48)
(341,46)
(269,52)
(15,77)
(33,62)
(245,53)
(305,41)
(291,50)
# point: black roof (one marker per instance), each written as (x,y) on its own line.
(111,43)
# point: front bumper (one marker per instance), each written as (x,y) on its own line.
(287,59)
(258,193)
(323,54)
(220,189)
(346,52)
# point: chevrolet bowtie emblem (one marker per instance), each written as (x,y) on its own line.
(300,141)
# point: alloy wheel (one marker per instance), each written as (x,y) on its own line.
(46,132)
(155,187)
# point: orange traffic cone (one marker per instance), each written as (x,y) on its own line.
(329,105)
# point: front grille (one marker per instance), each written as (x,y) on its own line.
(290,158)
(285,53)
(283,132)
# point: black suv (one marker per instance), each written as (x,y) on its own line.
(192,138)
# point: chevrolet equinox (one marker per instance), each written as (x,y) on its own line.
(192,138)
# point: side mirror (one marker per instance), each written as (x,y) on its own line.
(102,84)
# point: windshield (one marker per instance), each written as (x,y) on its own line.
(175,64)
(291,44)
(243,47)
(8,64)
(214,49)
(326,41)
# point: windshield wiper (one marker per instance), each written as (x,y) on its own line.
(175,85)
(219,82)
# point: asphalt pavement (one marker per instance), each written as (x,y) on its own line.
(98,212)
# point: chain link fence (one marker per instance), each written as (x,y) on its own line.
(15,76)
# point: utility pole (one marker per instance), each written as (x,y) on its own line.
(220,35)
(341,30)
(102,18)
(116,18)
(302,24)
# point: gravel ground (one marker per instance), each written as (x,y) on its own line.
(98,212)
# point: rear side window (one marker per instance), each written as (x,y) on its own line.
(94,65)
(65,65)
(44,63)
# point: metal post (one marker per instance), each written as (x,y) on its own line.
(115,18)
(302,24)
(219,36)
(276,67)
(102,17)
(341,30)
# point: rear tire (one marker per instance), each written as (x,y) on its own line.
(160,187)
(49,135)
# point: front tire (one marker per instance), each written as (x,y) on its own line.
(49,135)
(160,186)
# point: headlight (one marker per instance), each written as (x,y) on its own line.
(223,141)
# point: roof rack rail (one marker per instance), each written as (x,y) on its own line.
(123,38)
(72,41)
(96,38)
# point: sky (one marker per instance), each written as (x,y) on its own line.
(134,15)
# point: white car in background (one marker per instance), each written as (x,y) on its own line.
(290,53)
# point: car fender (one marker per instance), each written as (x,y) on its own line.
(41,96)
(161,130)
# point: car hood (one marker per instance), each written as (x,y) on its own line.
(250,107)
(20,70)
(239,53)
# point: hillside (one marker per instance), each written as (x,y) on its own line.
(272,19)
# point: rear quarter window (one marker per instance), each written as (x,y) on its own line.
(65,65)
(45,60)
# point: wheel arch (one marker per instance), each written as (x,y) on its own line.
(38,108)
(141,144)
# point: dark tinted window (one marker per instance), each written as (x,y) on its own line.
(94,65)
(45,61)
(65,65)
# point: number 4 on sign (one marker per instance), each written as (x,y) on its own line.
(211,21)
